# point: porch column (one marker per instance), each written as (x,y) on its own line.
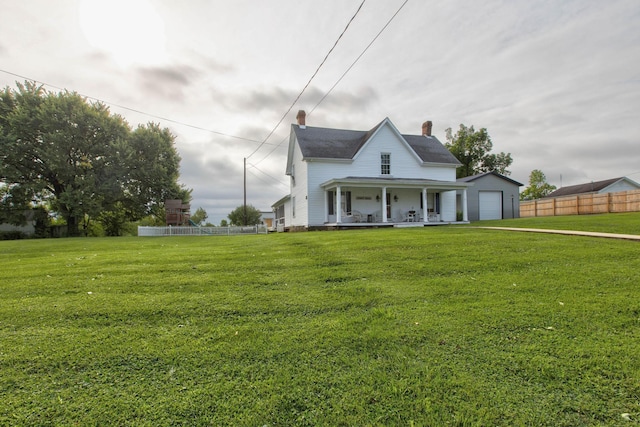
(338,205)
(425,213)
(384,204)
(465,217)
(326,205)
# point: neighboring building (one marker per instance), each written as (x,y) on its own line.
(379,177)
(493,196)
(267,219)
(607,186)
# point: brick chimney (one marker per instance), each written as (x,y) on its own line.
(301,119)
(426,128)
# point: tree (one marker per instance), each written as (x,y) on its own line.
(538,186)
(224,223)
(153,169)
(237,216)
(13,205)
(472,149)
(200,216)
(57,149)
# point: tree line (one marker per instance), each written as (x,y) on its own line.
(81,163)
(65,157)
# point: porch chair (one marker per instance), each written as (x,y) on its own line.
(353,216)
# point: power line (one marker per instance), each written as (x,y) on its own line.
(135,110)
(341,77)
(360,56)
(252,166)
(274,149)
(310,79)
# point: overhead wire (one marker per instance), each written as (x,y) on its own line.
(342,76)
(309,81)
(264,141)
(155,116)
(250,167)
(359,56)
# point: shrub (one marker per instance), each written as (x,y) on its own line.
(12,235)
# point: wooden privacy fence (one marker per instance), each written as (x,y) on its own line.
(582,204)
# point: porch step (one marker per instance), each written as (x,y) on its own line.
(408,224)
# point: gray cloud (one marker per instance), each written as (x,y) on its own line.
(169,82)
(555,83)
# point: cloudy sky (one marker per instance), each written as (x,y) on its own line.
(555,82)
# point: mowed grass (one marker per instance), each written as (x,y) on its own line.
(621,223)
(433,326)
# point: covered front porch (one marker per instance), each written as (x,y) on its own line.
(371,202)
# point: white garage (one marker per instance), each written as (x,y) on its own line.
(490,204)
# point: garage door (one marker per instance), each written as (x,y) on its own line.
(490,205)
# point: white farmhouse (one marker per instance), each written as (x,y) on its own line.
(372,178)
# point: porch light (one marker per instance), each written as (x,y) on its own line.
(395,198)
(377,197)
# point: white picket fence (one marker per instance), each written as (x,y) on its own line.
(201,231)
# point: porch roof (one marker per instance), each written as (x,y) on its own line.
(282,201)
(357,181)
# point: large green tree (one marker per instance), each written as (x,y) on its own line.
(75,156)
(242,216)
(538,186)
(472,149)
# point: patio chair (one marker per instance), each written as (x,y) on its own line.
(410,216)
(353,216)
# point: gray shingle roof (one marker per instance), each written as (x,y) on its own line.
(326,143)
(480,175)
(430,149)
(590,187)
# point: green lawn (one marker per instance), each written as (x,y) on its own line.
(433,326)
(623,223)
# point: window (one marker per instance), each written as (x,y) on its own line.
(293,206)
(293,175)
(385,164)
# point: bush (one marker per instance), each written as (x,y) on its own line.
(12,235)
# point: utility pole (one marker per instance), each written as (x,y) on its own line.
(244,220)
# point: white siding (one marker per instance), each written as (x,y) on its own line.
(287,213)
(404,164)
(448,205)
(299,190)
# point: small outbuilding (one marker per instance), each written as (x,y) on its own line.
(612,185)
(492,196)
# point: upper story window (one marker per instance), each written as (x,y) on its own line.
(293,175)
(385,163)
